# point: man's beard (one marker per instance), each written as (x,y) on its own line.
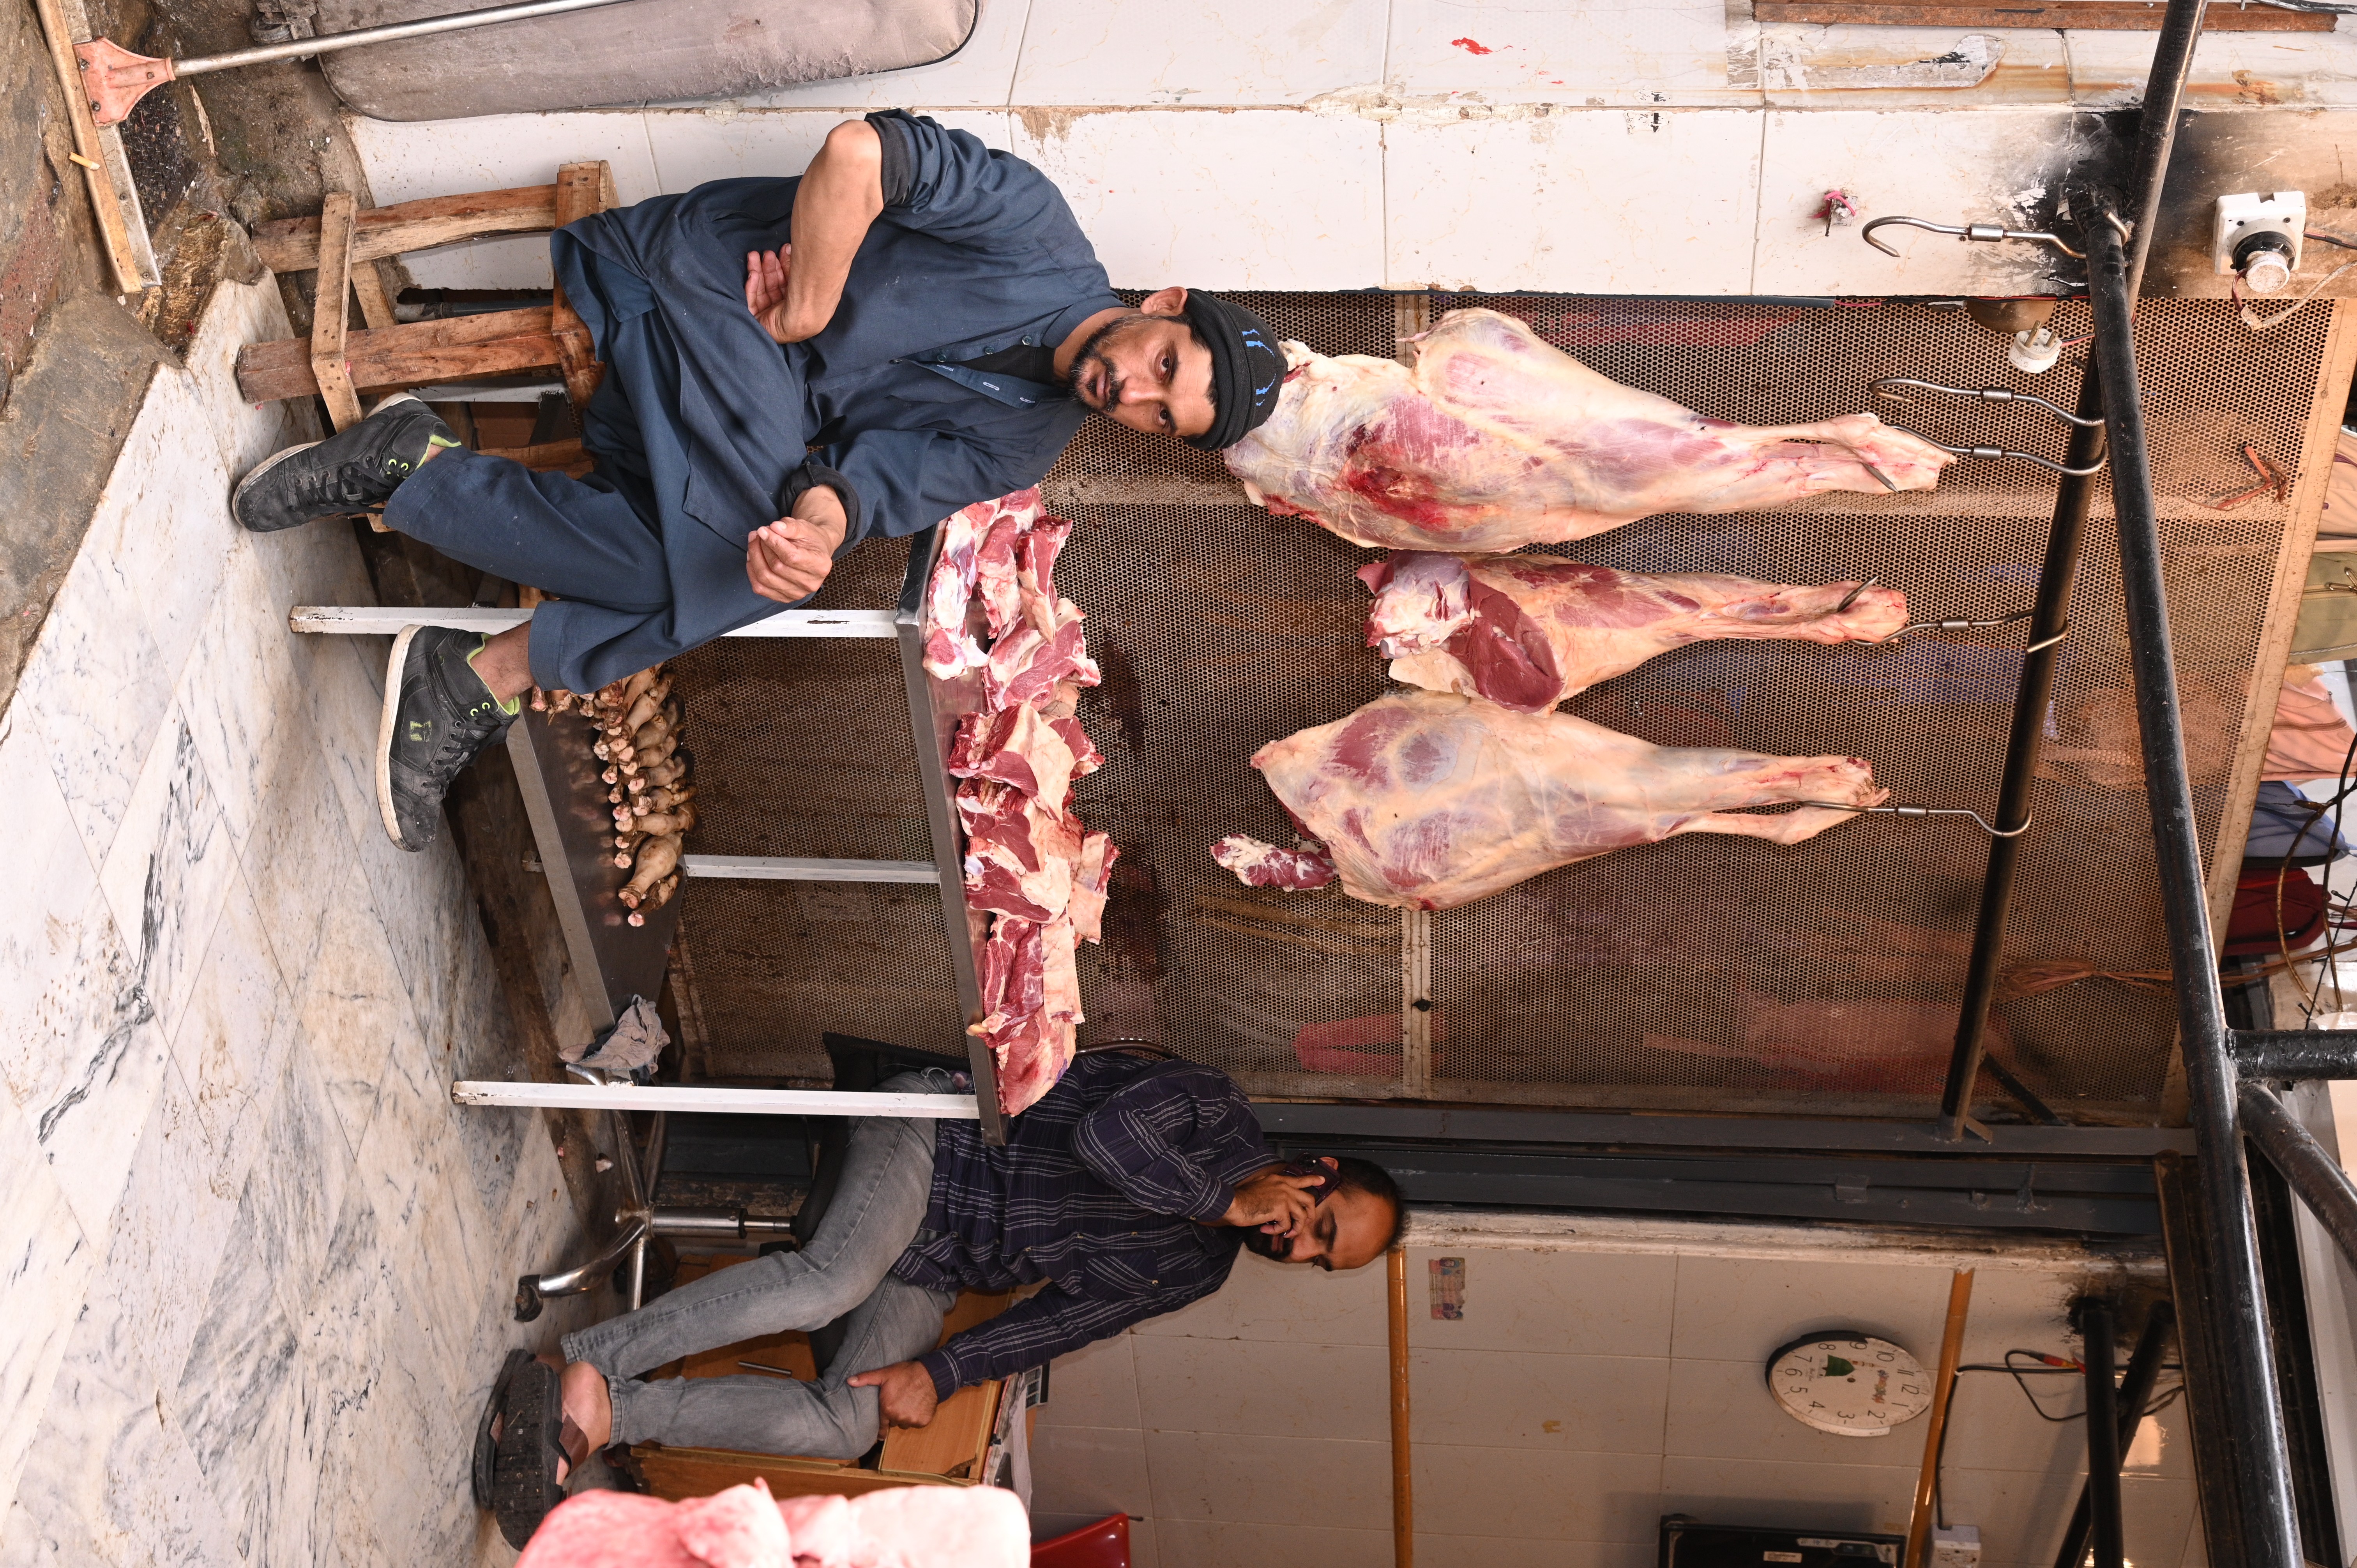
(1280,1248)
(1092,352)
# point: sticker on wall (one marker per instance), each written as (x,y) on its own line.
(1448,1289)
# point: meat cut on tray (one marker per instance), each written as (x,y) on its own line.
(1031,868)
(1528,631)
(1494,440)
(1428,801)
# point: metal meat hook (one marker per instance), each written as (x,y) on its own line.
(1985,394)
(2014,619)
(1988,233)
(1994,832)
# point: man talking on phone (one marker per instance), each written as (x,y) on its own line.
(1123,1193)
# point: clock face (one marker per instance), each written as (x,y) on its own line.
(1849,1384)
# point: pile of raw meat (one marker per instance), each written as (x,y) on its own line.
(1030,865)
(744,1527)
(1495,440)
(639,727)
(1433,797)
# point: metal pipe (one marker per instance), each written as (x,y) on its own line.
(1935,1429)
(2103,1435)
(1403,1492)
(2135,1393)
(2254,1410)
(2314,1176)
(2164,99)
(588,1276)
(424,26)
(2049,619)
(2296,1053)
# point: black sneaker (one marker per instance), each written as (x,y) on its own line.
(438,716)
(352,470)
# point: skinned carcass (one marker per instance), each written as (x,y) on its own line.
(1528,631)
(1428,800)
(1494,440)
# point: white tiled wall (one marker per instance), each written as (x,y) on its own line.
(1665,147)
(1580,1398)
(256,1258)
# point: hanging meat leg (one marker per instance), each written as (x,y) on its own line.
(1530,631)
(1495,440)
(1428,800)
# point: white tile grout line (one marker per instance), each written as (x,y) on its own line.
(1015,71)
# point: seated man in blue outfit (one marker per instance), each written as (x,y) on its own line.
(1124,1193)
(920,310)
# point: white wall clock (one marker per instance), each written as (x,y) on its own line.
(1848,1383)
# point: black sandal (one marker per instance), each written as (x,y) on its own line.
(534,1438)
(486,1443)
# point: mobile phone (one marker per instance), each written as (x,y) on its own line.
(1328,1178)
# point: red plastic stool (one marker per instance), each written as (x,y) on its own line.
(1104,1544)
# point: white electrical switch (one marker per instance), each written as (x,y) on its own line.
(2258,236)
(1956,1546)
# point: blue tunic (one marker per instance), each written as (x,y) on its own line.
(704,427)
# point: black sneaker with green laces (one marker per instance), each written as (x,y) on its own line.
(354,470)
(438,716)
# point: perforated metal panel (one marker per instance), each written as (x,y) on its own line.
(1705,972)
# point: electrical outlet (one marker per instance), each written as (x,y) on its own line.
(2258,236)
(1956,1546)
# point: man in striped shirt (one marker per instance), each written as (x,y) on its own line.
(1122,1194)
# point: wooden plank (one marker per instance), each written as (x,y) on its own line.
(567,456)
(121,256)
(292,244)
(330,308)
(952,1444)
(2102,16)
(581,189)
(416,353)
(680,1472)
(376,300)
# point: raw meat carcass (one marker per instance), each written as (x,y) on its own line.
(1495,440)
(1529,630)
(1428,801)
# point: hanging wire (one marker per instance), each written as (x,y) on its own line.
(2015,619)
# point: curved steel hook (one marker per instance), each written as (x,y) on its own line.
(1994,832)
(1985,394)
(2014,619)
(1987,233)
(2008,452)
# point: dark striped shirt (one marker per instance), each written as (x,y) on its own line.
(1109,1188)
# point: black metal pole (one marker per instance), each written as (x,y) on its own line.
(2103,1435)
(2164,93)
(2254,1412)
(2135,1393)
(2314,1176)
(2048,620)
(2296,1053)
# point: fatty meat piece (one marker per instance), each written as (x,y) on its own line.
(995,571)
(1012,976)
(1527,631)
(1086,757)
(1091,877)
(1495,440)
(1015,747)
(1026,668)
(1429,800)
(1258,864)
(1030,1057)
(1021,854)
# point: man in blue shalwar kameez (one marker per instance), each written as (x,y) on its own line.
(791,366)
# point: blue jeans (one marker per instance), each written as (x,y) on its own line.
(888,1179)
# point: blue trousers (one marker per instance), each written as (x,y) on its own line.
(695,429)
(888,1179)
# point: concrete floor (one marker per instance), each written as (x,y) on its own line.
(256,1262)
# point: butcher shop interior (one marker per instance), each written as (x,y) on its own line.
(1460,782)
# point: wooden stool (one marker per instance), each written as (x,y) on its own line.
(343,245)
